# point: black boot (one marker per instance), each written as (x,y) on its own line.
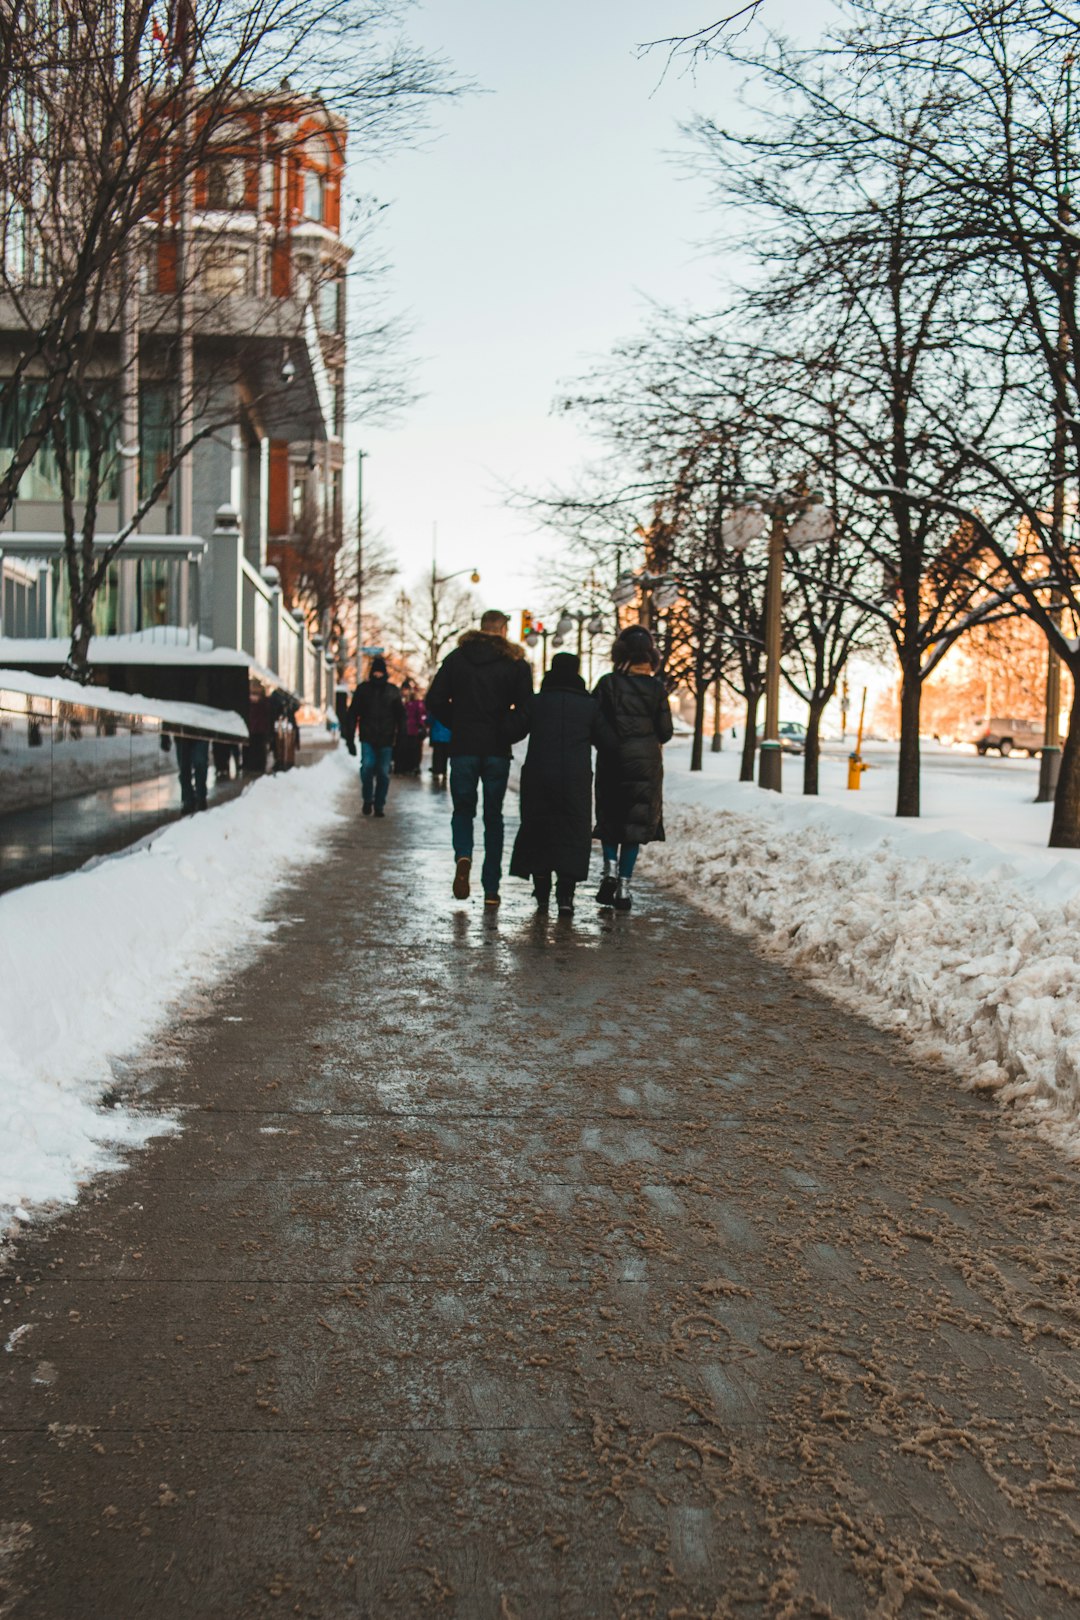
(564,896)
(605,894)
(542,890)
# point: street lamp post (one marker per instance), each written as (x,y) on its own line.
(360,454)
(808,528)
(437,580)
(770,769)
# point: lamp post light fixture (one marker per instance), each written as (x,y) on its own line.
(812,524)
(665,589)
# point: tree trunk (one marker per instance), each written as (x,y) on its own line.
(813,748)
(1065,827)
(698,750)
(77,667)
(749,747)
(907,786)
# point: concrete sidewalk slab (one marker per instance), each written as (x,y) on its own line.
(516,1267)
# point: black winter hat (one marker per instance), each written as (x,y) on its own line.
(377,666)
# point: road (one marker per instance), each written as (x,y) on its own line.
(514,1267)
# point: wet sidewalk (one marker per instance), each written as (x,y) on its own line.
(510,1267)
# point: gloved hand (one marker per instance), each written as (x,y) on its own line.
(351,746)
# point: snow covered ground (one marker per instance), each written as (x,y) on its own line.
(961,929)
(91,963)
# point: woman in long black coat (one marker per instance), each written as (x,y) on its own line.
(634,723)
(556,787)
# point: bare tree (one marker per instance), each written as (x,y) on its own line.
(109,120)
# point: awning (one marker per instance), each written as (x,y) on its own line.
(183,716)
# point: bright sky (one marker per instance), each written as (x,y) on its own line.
(529,236)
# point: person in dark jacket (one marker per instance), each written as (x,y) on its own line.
(483,693)
(375,713)
(633,723)
(556,787)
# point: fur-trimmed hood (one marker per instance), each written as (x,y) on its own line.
(483,648)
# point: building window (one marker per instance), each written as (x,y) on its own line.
(226,183)
(299,499)
(19,404)
(314,194)
(224,271)
(328,305)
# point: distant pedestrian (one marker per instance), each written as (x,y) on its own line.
(633,724)
(409,751)
(483,693)
(192,764)
(556,787)
(375,714)
(440,751)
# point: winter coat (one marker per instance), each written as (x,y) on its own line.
(483,692)
(415,718)
(634,721)
(556,783)
(375,713)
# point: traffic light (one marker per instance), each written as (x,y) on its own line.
(526,623)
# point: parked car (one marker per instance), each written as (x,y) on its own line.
(1006,734)
(792,737)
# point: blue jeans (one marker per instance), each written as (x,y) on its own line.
(627,859)
(375,773)
(467,771)
(192,762)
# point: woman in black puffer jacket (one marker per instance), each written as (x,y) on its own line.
(634,722)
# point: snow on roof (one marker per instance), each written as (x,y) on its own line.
(145,648)
(185,716)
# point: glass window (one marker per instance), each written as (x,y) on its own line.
(314,194)
(328,305)
(41,481)
(226,182)
(224,271)
(155,435)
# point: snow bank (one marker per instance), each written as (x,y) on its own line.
(971,951)
(90,964)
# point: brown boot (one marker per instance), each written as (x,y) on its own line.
(461,878)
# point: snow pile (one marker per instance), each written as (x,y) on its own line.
(90,964)
(973,952)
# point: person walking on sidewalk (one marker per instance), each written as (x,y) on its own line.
(483,693)
(375,713)
(440,752)
(633,724)
(556,787)
(409,749)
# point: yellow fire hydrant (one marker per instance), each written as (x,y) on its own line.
(855,763)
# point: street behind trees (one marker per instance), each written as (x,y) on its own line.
(905,348)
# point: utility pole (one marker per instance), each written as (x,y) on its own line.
(770,770)
(183,46)
(360,454)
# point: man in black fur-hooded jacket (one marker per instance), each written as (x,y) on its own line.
(483,693)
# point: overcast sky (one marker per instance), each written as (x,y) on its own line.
(529,235)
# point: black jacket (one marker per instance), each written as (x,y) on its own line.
(634,721)
(376,713)
(483,692)
(556,784)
